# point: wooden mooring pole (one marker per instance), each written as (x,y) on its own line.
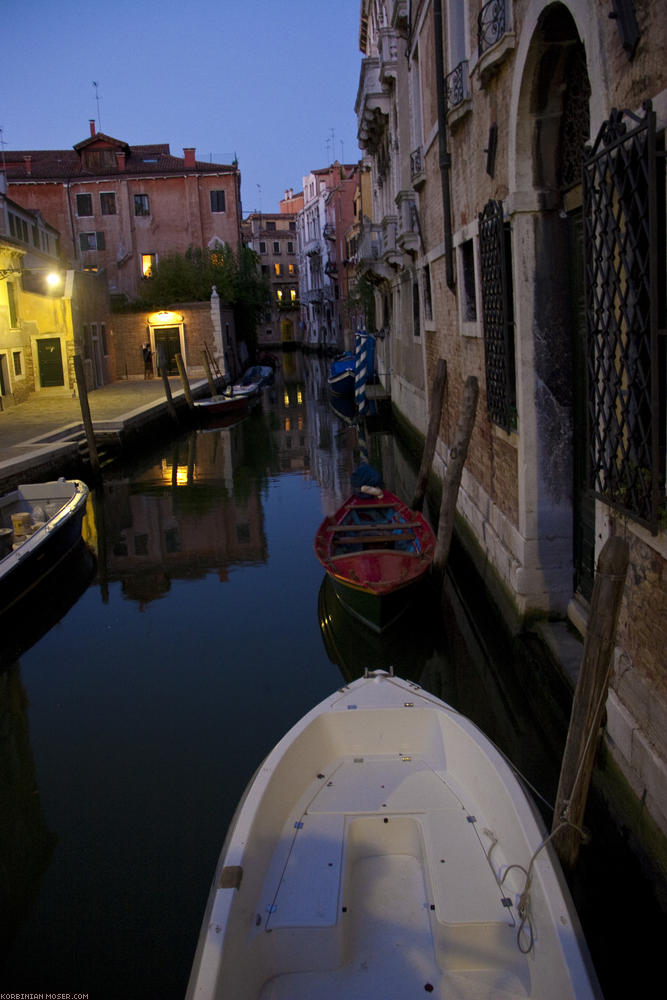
(452,482)
(589,702)
(184,381)
(162,363)
(209,377)
(85,413)
(437,396)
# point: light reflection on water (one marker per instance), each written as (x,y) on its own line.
(130,729)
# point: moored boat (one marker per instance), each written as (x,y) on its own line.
(234,399)
(261,375)
(376,551)
(341,375)
(386,849)
(40,523)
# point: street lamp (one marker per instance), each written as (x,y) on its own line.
(53,279)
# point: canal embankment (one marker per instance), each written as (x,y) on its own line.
(44,437)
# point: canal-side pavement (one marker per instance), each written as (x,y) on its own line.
(46,431)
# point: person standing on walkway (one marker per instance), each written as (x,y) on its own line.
(148,361)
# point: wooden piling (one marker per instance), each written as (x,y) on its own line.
(209,377)
(184,381)
(437,396)
(85,413)
(590,698)
(162,363)
(452,482)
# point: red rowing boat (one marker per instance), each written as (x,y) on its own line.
(376,551)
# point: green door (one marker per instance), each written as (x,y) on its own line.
(167,345)
(50,363)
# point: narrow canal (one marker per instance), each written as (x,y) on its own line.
(144,687)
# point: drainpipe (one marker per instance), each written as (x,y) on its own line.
(444,158)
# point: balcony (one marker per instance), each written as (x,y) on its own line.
(391,253)
(398,16)
(457,87)
(409,230)
(370,242)
(495,40)
(417,168)
(372,105)
(388,46)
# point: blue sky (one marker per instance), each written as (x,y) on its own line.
(271,81)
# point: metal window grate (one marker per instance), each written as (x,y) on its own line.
(626,403)
(498,315)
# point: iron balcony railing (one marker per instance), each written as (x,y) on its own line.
(491,24)
(456,85)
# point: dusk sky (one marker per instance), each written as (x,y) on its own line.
(272,82)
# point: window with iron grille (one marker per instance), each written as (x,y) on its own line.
(498,315)
(624,252)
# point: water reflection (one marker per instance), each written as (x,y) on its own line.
(206,632)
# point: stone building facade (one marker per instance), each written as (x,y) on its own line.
(518,232)
(47,313)
(273,238)
(327,213)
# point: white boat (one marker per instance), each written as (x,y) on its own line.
(385,849)
(40,523)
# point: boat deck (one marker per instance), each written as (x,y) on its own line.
(351,892)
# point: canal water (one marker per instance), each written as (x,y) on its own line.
(142,687)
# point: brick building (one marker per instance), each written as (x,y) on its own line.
(517,230)
(119,207)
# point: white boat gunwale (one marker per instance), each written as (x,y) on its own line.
(239,860)
(18,498)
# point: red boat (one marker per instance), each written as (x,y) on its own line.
(376,551)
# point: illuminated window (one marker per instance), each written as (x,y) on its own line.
(84,204)
(108,203)
(148,262)
(276,270)
(290,268)
(279,295)
(217,201)
(293,295)
(141,204)
(92,241)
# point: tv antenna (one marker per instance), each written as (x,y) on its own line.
(97,101)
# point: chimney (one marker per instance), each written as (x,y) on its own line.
(189,153)
(28,165)
(91,122)
(120,161)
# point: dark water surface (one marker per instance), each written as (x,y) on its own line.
(168,669)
